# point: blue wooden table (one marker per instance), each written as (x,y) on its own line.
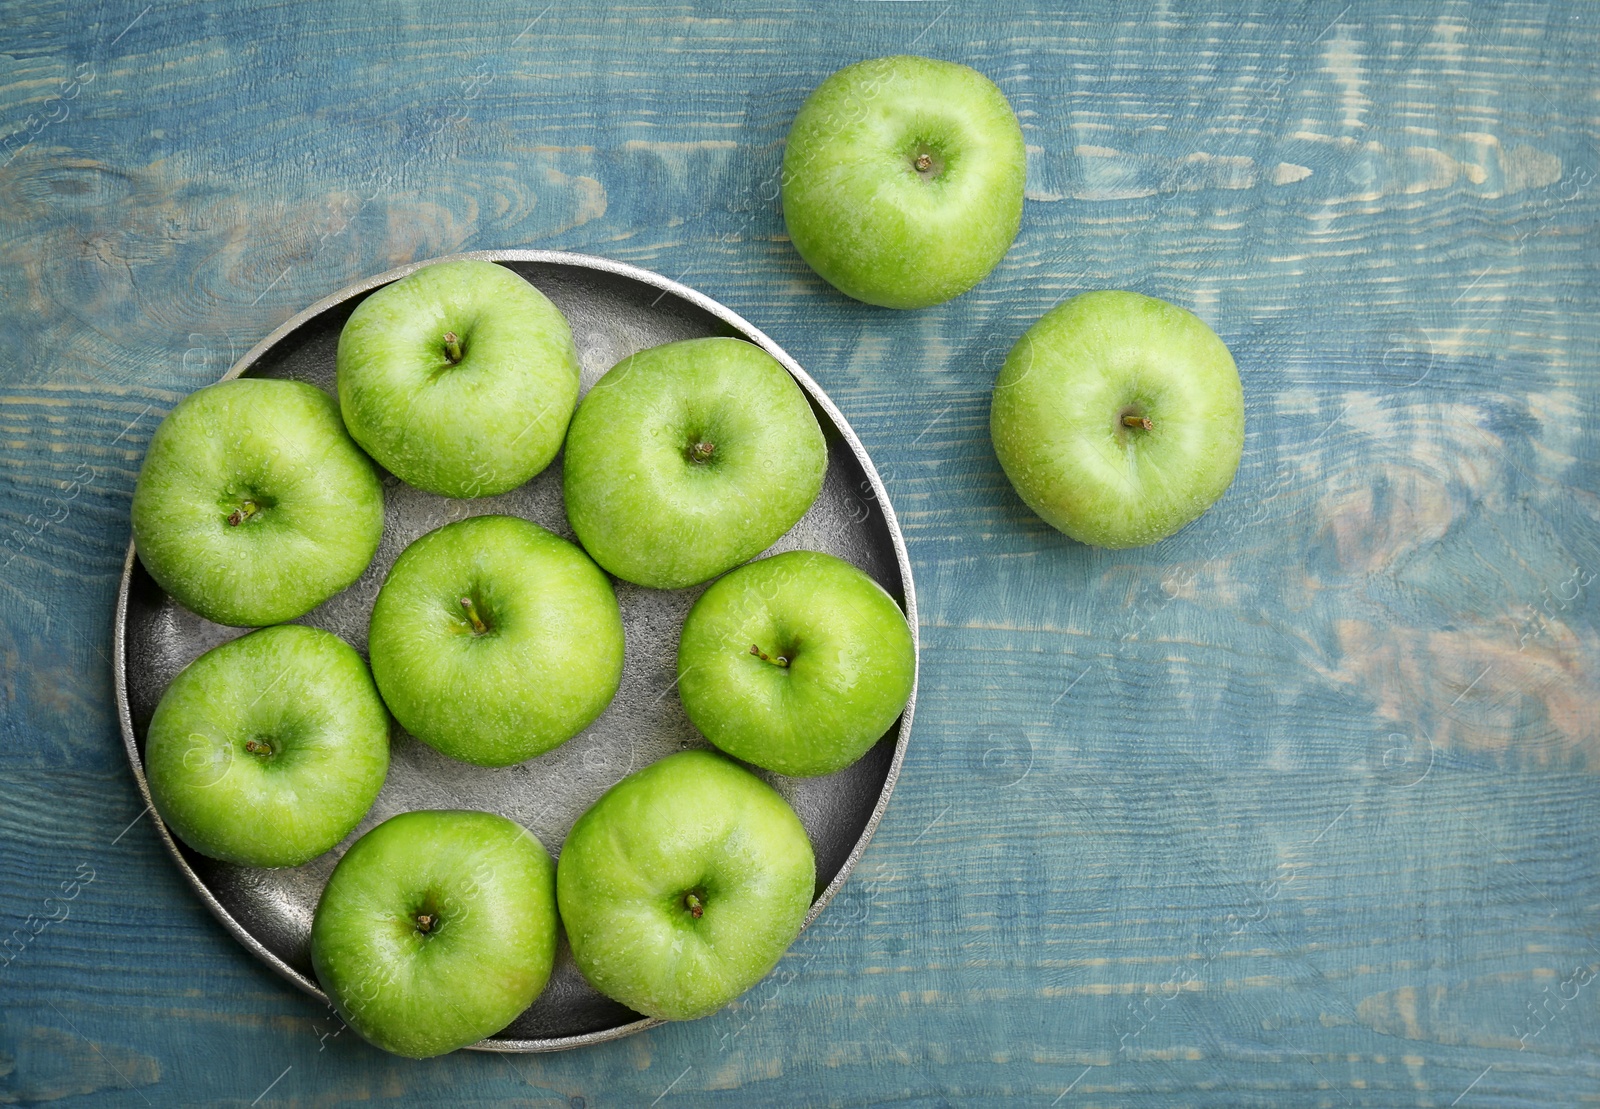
(1299,807)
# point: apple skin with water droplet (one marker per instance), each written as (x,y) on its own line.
(684,885)
(1119,418)
(903,180)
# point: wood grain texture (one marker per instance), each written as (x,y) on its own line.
(1299,807)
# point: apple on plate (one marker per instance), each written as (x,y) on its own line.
(437,928)
(684,885)
(1119,418)
(268,750)
(253,506)
(797,663)
(493,640)
(903,180)
(687,459)
(459,378)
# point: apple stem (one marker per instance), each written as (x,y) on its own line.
(923,163)
(1138,421)
(478,626)
(701,451)
(452,347)
(245,510)
(764,657)
(425,922)
(695,906)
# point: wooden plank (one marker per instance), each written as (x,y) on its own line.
(1296,808)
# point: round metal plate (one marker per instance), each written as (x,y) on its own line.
(615,310)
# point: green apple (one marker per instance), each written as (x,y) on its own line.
(689,458)
(493,640)
(253,506)
(460,378)
(796,663)
(1119,418)
(268,750)
(437,928)
(684,885)
(902,180)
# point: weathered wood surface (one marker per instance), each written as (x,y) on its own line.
(1297,808)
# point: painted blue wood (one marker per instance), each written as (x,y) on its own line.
(1297,808)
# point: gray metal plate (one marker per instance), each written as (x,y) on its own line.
(615,310)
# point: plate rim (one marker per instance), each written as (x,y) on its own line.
(815,394)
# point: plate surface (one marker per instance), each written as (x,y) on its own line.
(615,310)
